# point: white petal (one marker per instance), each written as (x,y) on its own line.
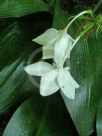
(74,83)
(66,84)
(39,69)
(62,48)
(48,37)
(49,83)
(48,51)
(70,47)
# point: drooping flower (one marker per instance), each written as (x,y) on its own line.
(56,45)
(53,78)
(52,38)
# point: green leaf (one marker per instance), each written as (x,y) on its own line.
(15,47)
(86,68)
(40,117)
(60,17)
(99,115)
(17,8)
(37,116)
(99,119)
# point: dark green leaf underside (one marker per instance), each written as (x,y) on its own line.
(17,8)
(40,117)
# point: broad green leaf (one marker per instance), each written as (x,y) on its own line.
(99,114)
(15,47)
(99,119)
(86,68)
(17,8)
(83,108)
(60,17)
(40,117)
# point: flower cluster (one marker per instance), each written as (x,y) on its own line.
(57,45)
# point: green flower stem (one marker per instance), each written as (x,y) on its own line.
(77,16)
(77,39)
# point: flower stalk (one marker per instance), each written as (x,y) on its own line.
(80,14)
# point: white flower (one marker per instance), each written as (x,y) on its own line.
(53,79)
(54,39)
(56,45)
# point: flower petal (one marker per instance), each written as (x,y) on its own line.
(62,48)
(74,83)
(49,83)
(39,69)
(66,85)
(48,37)
(48,51)
(70,47)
